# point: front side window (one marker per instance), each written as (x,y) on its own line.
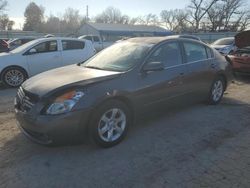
(72,45)
(169,54)
(49,46)
(194,52)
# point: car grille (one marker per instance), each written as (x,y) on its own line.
(24,100)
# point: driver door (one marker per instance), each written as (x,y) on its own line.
(160,86)
(43,57)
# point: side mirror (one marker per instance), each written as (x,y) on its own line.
(32,51)
(153,66)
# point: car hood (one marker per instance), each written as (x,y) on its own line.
(219,46)
(5,54)
(68,76)
(242,39)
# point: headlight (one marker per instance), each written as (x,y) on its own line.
(64,103)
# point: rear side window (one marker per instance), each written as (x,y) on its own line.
(72,45)
(168,53)
(194,52)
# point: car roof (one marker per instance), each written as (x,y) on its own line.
(156,40)
(58,38)
(190,37)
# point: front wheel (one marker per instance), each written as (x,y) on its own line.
(216,91)
(110,123)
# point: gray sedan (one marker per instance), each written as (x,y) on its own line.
(101,97)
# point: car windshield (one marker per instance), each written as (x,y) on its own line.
(23,47)
(226,41)
(119,57)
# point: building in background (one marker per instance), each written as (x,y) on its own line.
(114,32)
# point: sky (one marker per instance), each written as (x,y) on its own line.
(133,8)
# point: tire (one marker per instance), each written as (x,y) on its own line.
(13,76)
(109,124)
(217,90)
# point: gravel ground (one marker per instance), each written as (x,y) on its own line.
(196,146)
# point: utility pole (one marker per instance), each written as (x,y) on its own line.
(87,12)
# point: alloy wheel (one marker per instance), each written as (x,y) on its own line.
(14,77)
(112,125)
(217,91)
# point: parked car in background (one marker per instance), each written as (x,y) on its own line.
(241,60)
(225,45)
(102,96)
(98,43)
(241,57)
(41,55)
(49,35)
(3,46)
(14,43)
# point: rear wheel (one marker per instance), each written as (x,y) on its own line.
(217,91)
(13,76)
(110,123)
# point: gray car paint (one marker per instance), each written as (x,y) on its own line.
(138,89)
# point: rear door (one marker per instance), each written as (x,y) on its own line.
(160,86)
(199,62)
(45,56)
(73,52)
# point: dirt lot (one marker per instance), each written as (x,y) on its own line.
(197,146)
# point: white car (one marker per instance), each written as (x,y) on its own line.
(225,45)
(98,43)
(41,55)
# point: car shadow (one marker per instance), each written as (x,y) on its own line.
(242,77)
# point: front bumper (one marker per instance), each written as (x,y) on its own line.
(48,129)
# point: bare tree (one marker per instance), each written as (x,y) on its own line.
(3,4)
(10,25)
(4,19)
(216,16)
(169,19)
(228,15)
(148,19)
(231,8)
(71,20)
(52,25)
(244,22)
(112,15)
(175,20)
(133,21)
(198,9)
